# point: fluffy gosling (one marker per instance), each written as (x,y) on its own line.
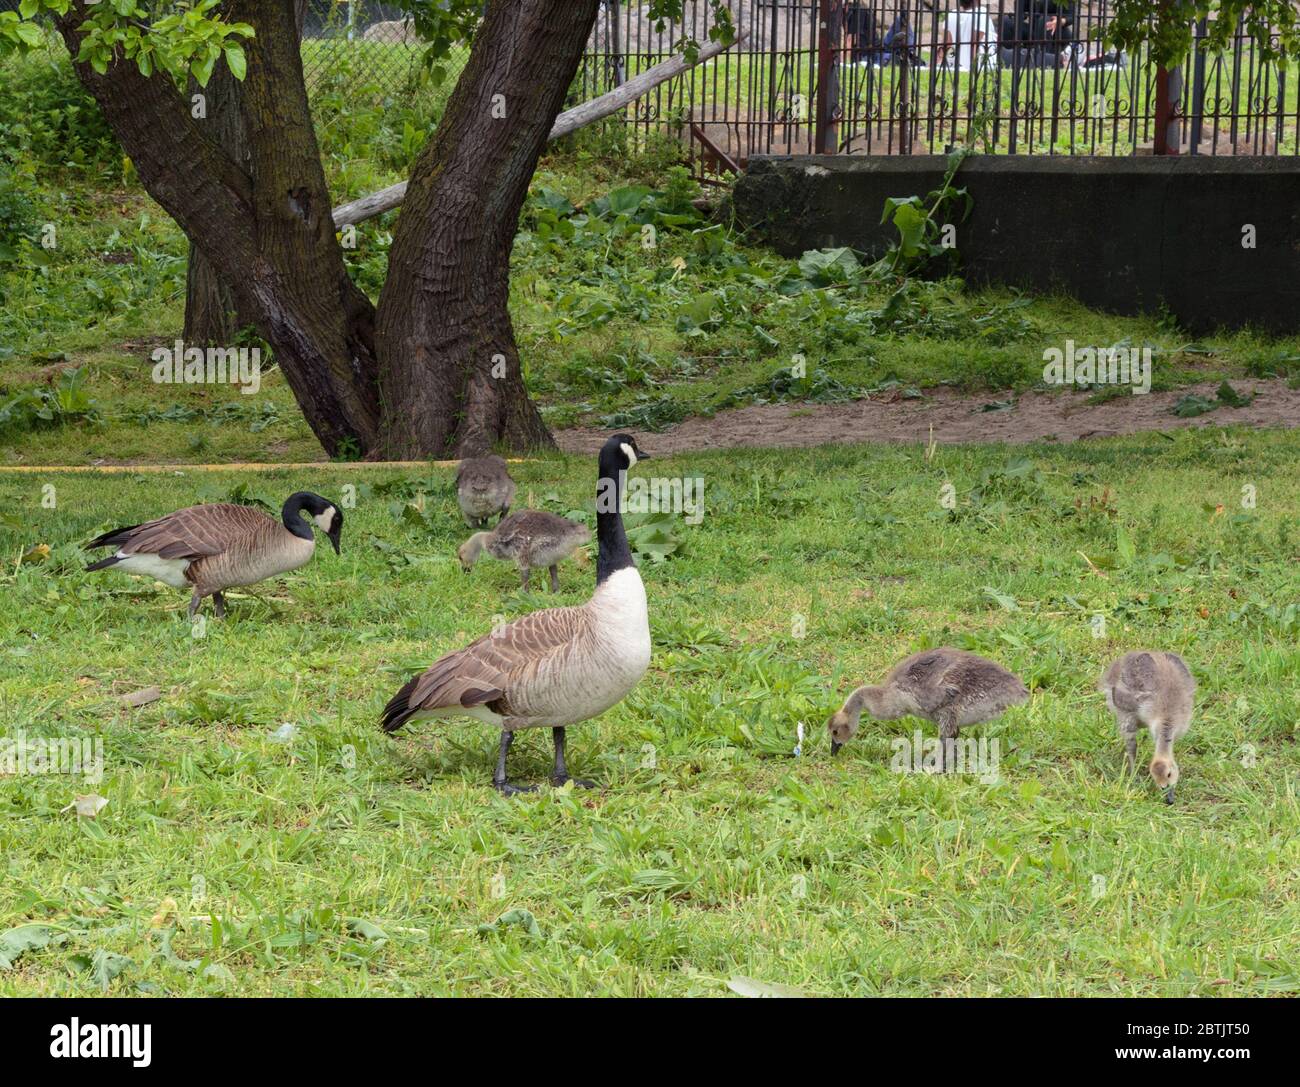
(947,686)
(1154,689)
(530,539)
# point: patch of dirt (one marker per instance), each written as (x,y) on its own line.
(956,417)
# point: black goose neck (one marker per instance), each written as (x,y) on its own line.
(614,553)
(291,515)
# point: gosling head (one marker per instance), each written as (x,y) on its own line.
(1164,772)
(842,726)
(468,552)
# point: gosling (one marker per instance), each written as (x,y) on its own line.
(1154,689)
(483,489)
(947,686)
(529,538)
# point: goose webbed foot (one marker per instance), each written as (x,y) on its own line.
(499,780)
(561,775)
(506,788)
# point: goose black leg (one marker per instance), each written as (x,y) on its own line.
(196,598)
(947,745)
(499,778)
(561,774)
(218,605)
(525,576)
(555,579)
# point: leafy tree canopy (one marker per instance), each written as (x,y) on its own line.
(189,38)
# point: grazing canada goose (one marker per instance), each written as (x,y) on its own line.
(1156,690)
(529,538)
(556,667)
(483,488)
(219,546)
(947,686)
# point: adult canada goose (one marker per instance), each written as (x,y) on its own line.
(556,667)
(483,488)
(529,538)
(947,686)
(216,547)
(1156,690)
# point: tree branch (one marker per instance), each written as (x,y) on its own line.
(367,207)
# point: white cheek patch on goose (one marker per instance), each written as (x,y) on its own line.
(627,452)
(326,519)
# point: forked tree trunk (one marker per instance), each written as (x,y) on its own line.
(436,371)
(449,368)
(265,229)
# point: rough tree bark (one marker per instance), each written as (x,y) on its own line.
(211,314)
(436,371)
(265,230)
(446,345)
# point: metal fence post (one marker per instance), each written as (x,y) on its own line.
(825,138)
(1169,93)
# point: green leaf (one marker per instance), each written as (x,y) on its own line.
(236,61)
(30,34)
(24,938)
(1124,546)
(201,67)
(104,966)
(516,917)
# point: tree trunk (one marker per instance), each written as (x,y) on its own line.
(211,315)
(436,370)
(266,230)
(210,312)
(449,369)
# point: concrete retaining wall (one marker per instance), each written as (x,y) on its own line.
(1128,235)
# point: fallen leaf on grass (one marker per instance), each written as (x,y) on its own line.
(744,986)
(87,806)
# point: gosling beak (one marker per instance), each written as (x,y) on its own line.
(835,747)
(1169,795)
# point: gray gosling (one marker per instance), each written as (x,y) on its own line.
(530,539)
(483,489)
(1154,689)
(947,686)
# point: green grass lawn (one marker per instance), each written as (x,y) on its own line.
(339,860)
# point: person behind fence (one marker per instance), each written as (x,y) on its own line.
(1038,32)
(900,42)
(860,28)
(968,38)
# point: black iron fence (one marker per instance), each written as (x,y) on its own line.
(920,76)
(873,77)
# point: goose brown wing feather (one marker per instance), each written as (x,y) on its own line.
(195,532)
(491,670)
